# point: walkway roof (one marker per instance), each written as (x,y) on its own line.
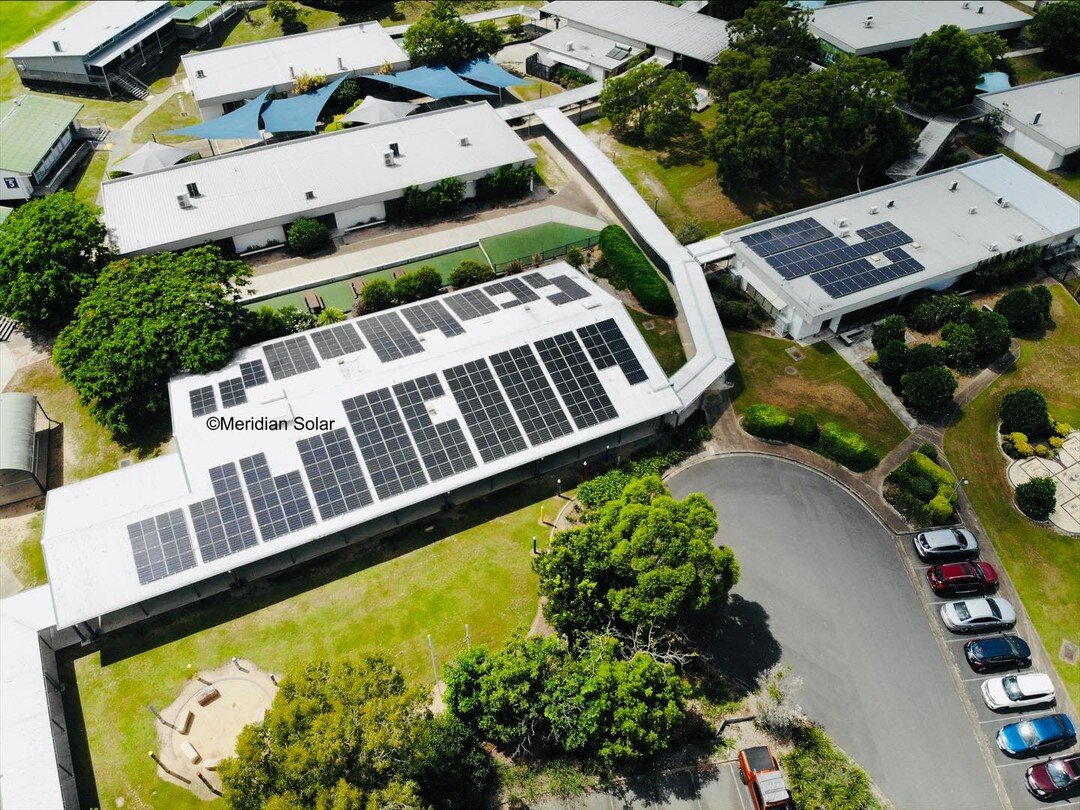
(29,127)
(436,82)
(242,123)
(298,113)
(191,10)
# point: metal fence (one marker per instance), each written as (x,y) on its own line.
(534,67)
(540,257)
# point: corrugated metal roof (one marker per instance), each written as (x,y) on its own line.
(17,414)
(29,126)
(191,10)
(696,35)
(89,28)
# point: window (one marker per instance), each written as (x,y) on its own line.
(962,613)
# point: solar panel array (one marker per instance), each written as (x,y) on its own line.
(531,395)
(469,304)
(443,447)
(431,315)
(253,373)
(389,336)
(232,392)
(202,400)
(521,291)
(223,523)
(835,251)
(581,390)
(290,357)
(861,274)
(607,346)
(787,236)
(336,341)
(161,546)
(333,469)
(384,443)
(485,410)
(569,290)
(280,502)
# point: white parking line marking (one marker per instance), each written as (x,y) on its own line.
(738,786)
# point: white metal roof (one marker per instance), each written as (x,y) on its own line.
(696,35)
(946,235)
(1057,101)
(267,185)
(251,67)
(87,29)
(898,23)
(88,552)
(585,46)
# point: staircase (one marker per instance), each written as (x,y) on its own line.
(7,326)
(130,85)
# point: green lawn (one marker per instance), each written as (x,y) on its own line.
(178,111)
(524,243)
(536,88)
(663,339)
(257,24)
(1044,565)
(824,385)
(1032,68)
(472,567)
(86,181)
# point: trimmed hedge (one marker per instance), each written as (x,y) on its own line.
(1025,411)
(1037,498)
(846,447)
(918,464)
(628,262)
(766,422)
(307,236)
(804,429)
(921,490)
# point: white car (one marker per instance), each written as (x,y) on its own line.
(1018,691)
(976,615)
(937,543)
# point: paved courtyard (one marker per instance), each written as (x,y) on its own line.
(1065,470)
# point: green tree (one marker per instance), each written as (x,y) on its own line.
(51,252)
(1024,411)
(286,14)
(644,559)
(307,236)
(450,766)
(1057,29)
(889,329)
(441,37)
(922,355)
(515,25)
(265,323)
(1026,309)
(960,347)
(769,40)
(149,318)
(928,392)
(893,361)
(1037,498)
(992,335)
(377,294)
(470,273)
(943,67)
(651,101)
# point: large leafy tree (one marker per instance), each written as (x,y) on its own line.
(651,101)
(643,560)
(353,734)
(51,252)
(943,67)
(928,392)
(148,318)
(1057,29)
(441,37)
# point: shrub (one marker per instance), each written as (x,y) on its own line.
(470,273)
(921,488)
(888,330)
(439,200)
(821,775)
(928,450)
(873,361)
(1006,267)
(1026,309)
(937,512)
(1037,498)
(924,467)
(804,429)
(603,488)
(329,315)
(306,82)
(1017,446)
(992,335)
(1056,442)
(570,78)
(575,257)
(691,230)
(294,319)
(959,347)
(1042,451)
(766,422)
(1062,429)
(983,142)
(265,323)
(515,25)
(905,503)
(417,285)
(506,182)
(893,361)
(846,447)
(347,93)
(307,236)
(936,311)
(929,392)
(377,294)
(1024,410)
(739,314)
(923,355)
(627,260)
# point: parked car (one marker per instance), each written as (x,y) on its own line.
(1055,777)
(960,578)
(1018,691)
(1029,738)
(934,544)
(973,615)
(761,774)
(998,652)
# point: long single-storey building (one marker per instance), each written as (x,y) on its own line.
(819,268)
(865,27)
(96,45)
(349,177)
(1040,121)
(39,142)
(224,78)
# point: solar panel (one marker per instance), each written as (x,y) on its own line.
(861,274)
(202,400)
(521,291)
(232,392)
(389,336)
(443,447)
(222,523)
(784,237)
(290,357)
(607,346)
(253,373)
(281,505)
(485,410)
(569,290)
(536,280)
(581,390)
(431,315)
(384,443)
(470,304)
(336,341)
(531,395)
(161,546)
(334,472)
(618,53)
(835,251)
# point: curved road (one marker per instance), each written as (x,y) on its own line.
(824,589)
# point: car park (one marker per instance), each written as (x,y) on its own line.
(1018,691)
(975,615)
(936,544)
(997,653)
(962,578)
(1054,778)
(1028,738)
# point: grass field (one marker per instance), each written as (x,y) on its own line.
(178,111)
(472,566)
(536,88)
(824,385)
(1032,68)
(1044,565)
(258,25)
(663,339)
(85,182)
(524,243)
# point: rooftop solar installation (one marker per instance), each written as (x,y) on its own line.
(786,236)
(202,400)
(834,250)
(473,391)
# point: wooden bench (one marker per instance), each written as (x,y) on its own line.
(189,718)
(188,750)
(208,695)
(314,303)
(357,285)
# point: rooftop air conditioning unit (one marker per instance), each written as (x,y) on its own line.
(183,201)
(842,222)
(953,185)
(1019,237)
(394,150)
(891,204)
(873,209)
(388,158)
(464,140)
(993,247)
(200,74)
(309,195)
(869,21)
(845,232)
(973,210)
(56,46)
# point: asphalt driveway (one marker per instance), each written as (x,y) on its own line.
(825,590)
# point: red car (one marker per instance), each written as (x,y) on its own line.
(1055,777)
(954,579)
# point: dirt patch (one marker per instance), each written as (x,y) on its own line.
(708,201)
(791,393)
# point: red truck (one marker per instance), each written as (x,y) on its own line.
(761,774)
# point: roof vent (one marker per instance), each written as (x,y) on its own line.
(891,204)
(973,210)
(916,244)
(965,5)
(994,247)
(873,209)
(869,21)
(1002,202)
(464,140)
(1035,120)
(845,232)
(183,201)
(193,190)
(292,71)
(340,63)
(388,158)
(394,149)
(842,222)
(953,185)
(1019,237)
(309,195)
(980,9)
(56,46)
(200,74)
(570,45)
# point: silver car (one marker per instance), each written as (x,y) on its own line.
(975,615)
(936,543)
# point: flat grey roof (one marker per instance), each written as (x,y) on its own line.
(696,35)
(88,28)
(898,23)
(1057,99)
(585,46)
(266,185)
